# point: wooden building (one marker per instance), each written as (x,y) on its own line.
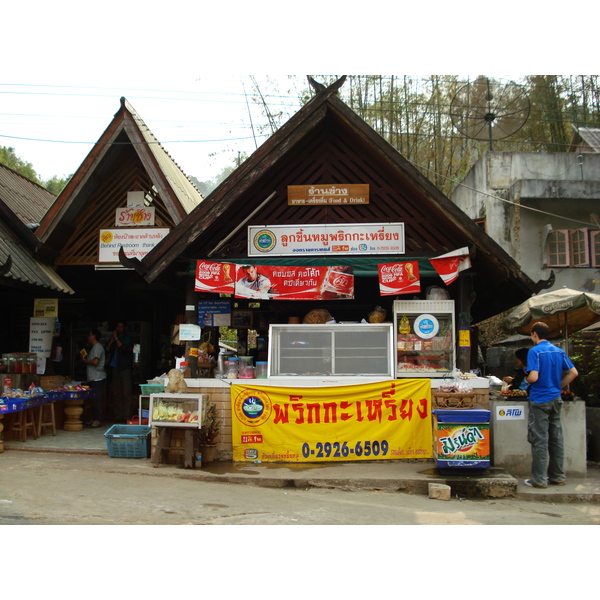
(127,158)
(327,143)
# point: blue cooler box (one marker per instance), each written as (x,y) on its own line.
(462,440)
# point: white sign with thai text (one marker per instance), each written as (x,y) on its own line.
(134,216)
(136,243)
(510,413)
(325,240)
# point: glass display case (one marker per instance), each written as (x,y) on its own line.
(424,332)
(343,349)
(176,410)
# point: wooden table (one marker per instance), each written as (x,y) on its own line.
(163,443)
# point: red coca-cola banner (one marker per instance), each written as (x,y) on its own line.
(275,282)
(451,264)
(215,277)
(399,278)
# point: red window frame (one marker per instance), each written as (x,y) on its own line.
(580,247)
(556,256)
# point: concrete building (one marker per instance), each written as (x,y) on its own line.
(543,209)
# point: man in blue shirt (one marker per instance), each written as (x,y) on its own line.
(549,372)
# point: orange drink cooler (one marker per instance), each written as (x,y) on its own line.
(462,440)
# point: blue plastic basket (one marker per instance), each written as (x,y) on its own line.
(128,441)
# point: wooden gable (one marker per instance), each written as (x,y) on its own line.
(325,143)
(126,158)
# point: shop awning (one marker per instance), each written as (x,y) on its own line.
(363,266)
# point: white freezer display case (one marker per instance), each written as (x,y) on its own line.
(424,338)
(342,349)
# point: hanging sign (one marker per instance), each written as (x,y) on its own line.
(215,277)
(325,240)
(45,307)
(449,265)
(399,278)
(267,282)
(214,313)
(135,216)
(337,193)
(136,243)
(40,335)
(294,283)
(376,421)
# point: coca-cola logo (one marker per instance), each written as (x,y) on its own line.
(341,281)
(396,270)
(208,270)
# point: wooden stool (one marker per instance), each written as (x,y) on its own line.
(47,411)
(24,423)
(163,443)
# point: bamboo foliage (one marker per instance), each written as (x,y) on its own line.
(413,115)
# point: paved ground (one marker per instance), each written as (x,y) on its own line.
(399,476)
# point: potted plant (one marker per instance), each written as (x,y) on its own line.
(208,433)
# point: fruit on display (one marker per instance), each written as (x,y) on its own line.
(175,414)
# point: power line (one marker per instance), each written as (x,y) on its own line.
(521,206)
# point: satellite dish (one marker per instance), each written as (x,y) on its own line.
(488,110)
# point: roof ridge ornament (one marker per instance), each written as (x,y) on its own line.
(320,88)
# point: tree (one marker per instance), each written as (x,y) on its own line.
(54,185)
(11,160)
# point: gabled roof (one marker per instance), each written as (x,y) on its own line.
(326,142)
(127,157)
(587,136)
(18,265)
(29,201)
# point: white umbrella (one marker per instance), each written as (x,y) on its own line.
(564,310)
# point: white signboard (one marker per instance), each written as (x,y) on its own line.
(189,332)
(510,413)
(135,198)
(135,216)
(40,335)
(325,240)
(136,242)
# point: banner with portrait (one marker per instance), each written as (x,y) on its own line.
(276,282)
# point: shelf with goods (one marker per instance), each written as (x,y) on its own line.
(424,338)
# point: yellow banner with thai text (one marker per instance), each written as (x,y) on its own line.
(372,421)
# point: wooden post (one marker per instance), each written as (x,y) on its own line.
(465,301)
(191,318)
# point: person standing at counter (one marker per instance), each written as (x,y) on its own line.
(96,375)
(121,371)
(517,381)
(549,371)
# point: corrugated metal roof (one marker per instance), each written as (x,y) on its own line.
(28,200)
(188,195)
(25,267)
(591,136)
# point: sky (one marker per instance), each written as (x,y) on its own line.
(185,66)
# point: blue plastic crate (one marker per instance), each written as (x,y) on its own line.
(128,441)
